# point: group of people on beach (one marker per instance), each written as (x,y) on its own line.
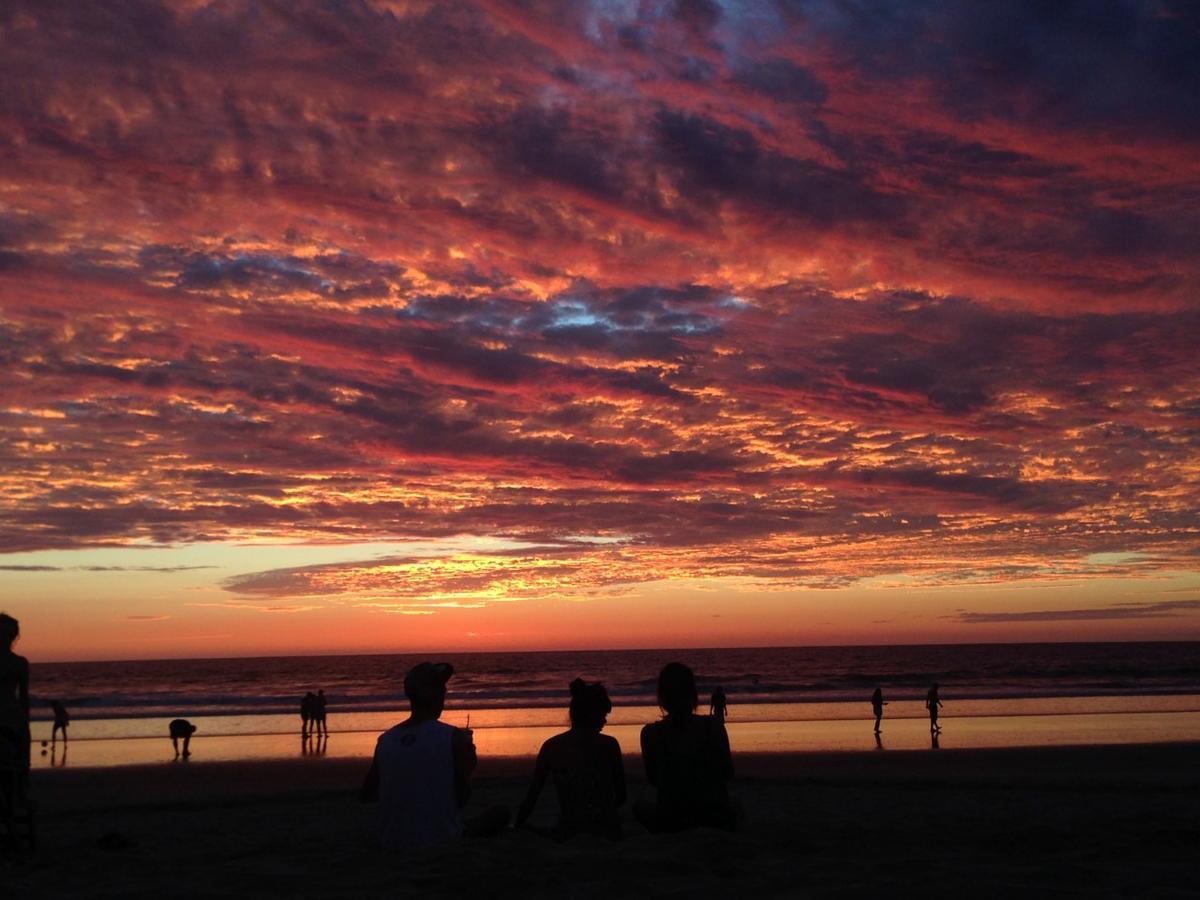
(422,767)
(312,714)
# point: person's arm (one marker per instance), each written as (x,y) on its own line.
(23,685)
(370,786)
(724,755)
(465,760)
(650,755)
(618,772)
(540,770)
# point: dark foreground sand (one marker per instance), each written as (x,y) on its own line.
(1093,821)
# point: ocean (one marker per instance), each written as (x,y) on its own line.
(780,699)
(785,675)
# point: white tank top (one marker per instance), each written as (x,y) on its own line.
(416,786)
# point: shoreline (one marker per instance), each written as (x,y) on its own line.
(746,737)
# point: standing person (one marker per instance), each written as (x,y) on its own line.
(62,719)
(586,766)
(14,693)
(181,730)
(687,759)
(718,705)
(318,712)
(932,703)
(877,705)
(421,772)
(306,712)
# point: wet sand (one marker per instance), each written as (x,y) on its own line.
(218,740)
(1094,821)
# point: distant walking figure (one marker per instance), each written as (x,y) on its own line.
(718,705)
(306,712)
(62,719)
(181,729)
(14,697)
(877,705)
(586,768)
(932,703)
(687,759)
(421,772)
(318,713)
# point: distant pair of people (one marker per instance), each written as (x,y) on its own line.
(312,714)
(932,703)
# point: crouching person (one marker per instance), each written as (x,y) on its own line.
(421,773)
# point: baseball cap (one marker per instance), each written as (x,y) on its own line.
(425,678)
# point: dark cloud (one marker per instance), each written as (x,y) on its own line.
(1163,609)
(783,80)
(718,162)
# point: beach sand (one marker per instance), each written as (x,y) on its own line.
(1087,821)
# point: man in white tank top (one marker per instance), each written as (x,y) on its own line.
(421,773)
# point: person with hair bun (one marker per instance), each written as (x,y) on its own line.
(687,760)
(586,767)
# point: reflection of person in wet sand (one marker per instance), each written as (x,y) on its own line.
(932,703)
(181,730)
(718,705)
(687,759)
(877,705)
(586,768)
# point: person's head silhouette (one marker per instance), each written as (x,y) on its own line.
(10,630)
(425,687)
(677,690)
(590,705)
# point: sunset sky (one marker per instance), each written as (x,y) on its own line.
(334,327)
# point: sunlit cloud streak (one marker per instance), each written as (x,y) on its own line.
(799,293)
(1121,611)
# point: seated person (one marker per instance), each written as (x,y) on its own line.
(421,772)
(14,693)
(687,759)
(586,766)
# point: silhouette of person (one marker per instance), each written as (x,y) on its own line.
(687,759)
(586,766)
(932,703)
(14,694)
(421,771)
(62,719)
(877,705)
(318,712)
(306,712)
(181,729)
(717,704)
